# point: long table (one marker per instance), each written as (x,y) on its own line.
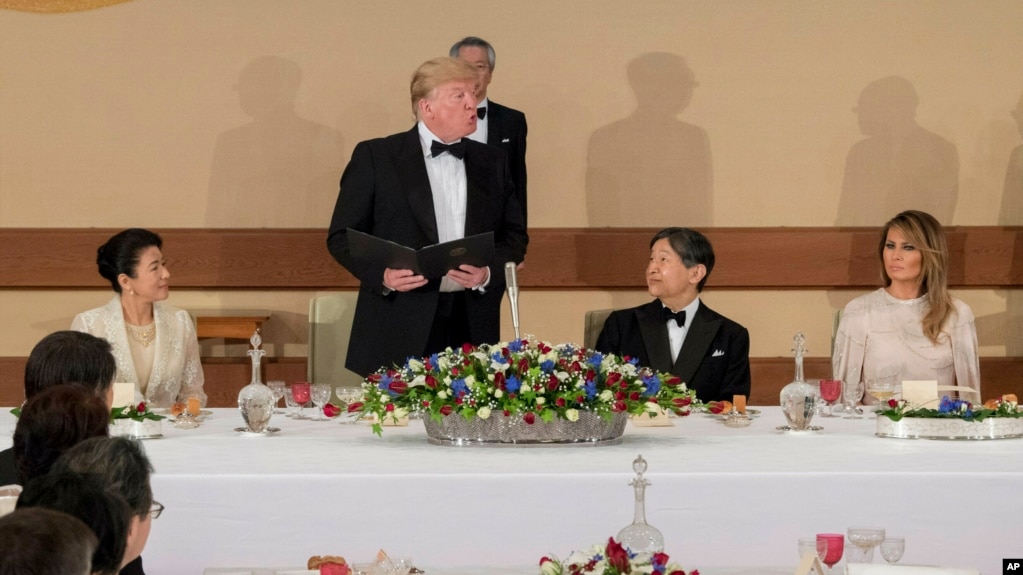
(721,496)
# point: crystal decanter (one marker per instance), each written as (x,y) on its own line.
(799,399)
(255,400)
(640,537)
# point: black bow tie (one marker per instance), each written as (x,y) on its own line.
(481,112)
(456,149)
(679,317)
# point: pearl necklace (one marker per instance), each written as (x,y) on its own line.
(144,336)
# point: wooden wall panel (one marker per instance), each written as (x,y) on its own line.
(226,376)
(568,258)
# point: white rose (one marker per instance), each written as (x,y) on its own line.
(483,412)
(419,380)
(571,415)
(498,393)
(606,395)
(550,568)
(540,400)
(415,364)
(400,412)
(470,381)
(442,394)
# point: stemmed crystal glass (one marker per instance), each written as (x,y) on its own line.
(864,540)
(882,390)
(835,545)
(851,397)
(321,395)
(348,396)
(831,392)
(277,387)
(892,549)
(300,392)
(813,545)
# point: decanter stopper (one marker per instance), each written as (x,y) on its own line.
(640,537)
(255,400)
(799,399)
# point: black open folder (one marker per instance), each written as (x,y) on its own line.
(432,261)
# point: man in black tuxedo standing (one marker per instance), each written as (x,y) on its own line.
(676,333)
(498,125)
(419,188)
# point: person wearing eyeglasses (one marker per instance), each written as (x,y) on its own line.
(124,469)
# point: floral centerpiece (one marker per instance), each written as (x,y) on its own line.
(530,381)
(611,559)
(136,421)
(953,419)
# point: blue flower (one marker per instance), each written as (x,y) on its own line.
(459,388)
(498,357)
(947,405)
(547,366)
(435,363)
(385,385)
(591,389)
(515,346)
(595,360)
(512,384)
(633,360)
(652,384)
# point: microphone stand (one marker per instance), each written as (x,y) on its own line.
(512,282)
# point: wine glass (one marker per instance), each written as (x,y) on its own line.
(831,391)
(851,396)
(892,549)
(882,390)
(321,393)
(348,396)
(300,392)
(835,543)
(864,540)
(289,402)
(277,387)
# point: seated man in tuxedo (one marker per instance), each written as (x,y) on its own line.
(677,333)
(428,185)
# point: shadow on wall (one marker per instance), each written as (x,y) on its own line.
(651,158)
(279,170)
(899,165)
(1012,215)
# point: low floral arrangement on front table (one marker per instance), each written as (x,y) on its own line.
(1005,406)
(534,380)
(138,412)
(611,559)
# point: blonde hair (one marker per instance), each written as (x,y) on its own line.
(927,235)
(436,72)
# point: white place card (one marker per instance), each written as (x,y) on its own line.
(809,564)
(644,420)
(920,393)
(124,393)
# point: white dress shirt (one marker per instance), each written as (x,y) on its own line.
(677,333)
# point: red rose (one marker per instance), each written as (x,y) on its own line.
(466,348)
(545,560)
(613,379)
(672,381)
(560,402)
(544,348)
(331,410)
(529,418)
(374,378)
(580,399)
(634,396)
(590,375)
(458,400)
(389,407)
(619,395)
(431,382)
(507,413)
(399,387)
(446,410)
(499,380)
(659,559)
(681,401)
(893,403)
(552,382)
(624,385)
(619,406)
(353,407)
(523,366)
(617,556)
(426,403)
(141,407)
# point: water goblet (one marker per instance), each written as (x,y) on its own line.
(892,549)
(831,392)
(321,393)
(835,545)
(818,547)
(289,402)
(348,396)
(864,540)
(851,396)
(277,387)
(300,392)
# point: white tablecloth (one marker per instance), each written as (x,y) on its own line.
(721,496)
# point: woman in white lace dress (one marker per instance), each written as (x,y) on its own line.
(912,328)
(154,344)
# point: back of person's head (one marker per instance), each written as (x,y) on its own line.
(121,253)
(691,246)
(52,422)
(437,72)
(45,542)
(86,498)
(70,357)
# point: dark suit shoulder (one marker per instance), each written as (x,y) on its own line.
(709,314)
(506,111)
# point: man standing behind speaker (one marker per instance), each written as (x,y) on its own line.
(498,125)
(418,188)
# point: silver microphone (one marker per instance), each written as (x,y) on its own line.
(511,279)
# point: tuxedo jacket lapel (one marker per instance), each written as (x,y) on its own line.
(411,169)
(694,348)
(655,336)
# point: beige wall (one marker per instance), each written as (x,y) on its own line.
(242,113)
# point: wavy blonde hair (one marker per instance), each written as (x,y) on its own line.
(927,235)
(437,72)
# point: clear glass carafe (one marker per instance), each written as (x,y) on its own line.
(799,399)
(255,400)
(640,537)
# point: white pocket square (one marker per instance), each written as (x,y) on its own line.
(506,140)
(718,353)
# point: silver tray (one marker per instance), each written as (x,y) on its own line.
(500,431)
(950,429)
